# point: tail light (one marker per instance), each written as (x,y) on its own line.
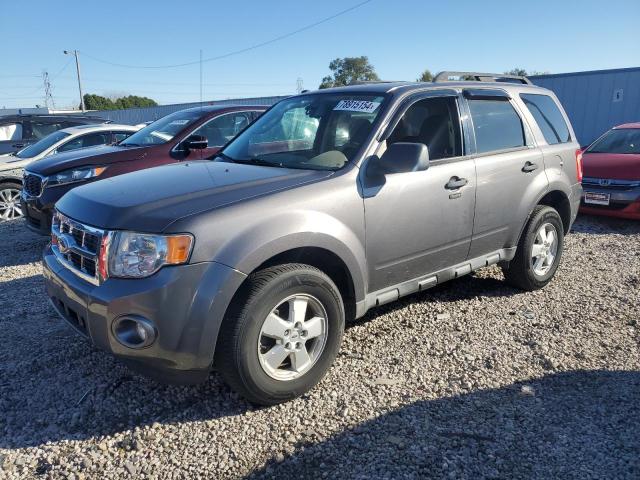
(579,164)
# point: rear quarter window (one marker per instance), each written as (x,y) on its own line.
(548,116)
(496,124)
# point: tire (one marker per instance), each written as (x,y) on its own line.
(521,272)
(9,194)
(245,357)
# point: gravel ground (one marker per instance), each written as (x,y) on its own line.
(472,379)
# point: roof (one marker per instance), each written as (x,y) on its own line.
(216,108)
(99,127)
(629,125)
(387,87)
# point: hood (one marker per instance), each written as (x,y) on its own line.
(149,200)
(100,155)
(620,166)
(11,162)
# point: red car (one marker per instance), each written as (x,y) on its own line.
(611,167)
(191,134)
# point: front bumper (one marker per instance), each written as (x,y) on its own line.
(38,211)
(186,304)
(624,203)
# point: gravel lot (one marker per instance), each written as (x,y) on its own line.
(471,379)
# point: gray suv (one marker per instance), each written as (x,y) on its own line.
(331,203)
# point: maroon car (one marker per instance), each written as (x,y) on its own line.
(191,134)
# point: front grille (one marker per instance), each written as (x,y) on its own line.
(610,183)
(77,246)
(32,185)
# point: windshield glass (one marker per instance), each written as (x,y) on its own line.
(320,132)
(622,140)
(163,130)
(41,145)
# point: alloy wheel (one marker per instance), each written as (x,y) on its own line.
(292,337)
(545,249)
(10,204)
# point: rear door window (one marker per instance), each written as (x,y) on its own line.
(496,124)
(548,117)
(89,140)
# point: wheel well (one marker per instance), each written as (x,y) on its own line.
(560,202)
(10,180)
(329,263)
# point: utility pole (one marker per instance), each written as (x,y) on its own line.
(75,53)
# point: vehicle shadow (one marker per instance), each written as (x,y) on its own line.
(596,225)
(569,425)
(18,245)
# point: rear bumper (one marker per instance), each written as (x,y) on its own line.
(623,203)
(185,303)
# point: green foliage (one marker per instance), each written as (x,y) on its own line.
(426,76)
(517,71)
(349,70)
(98,102)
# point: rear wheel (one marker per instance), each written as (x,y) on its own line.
(539,250)
(282,333)
(10,201)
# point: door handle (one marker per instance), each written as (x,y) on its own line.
(529,167)
(456,182)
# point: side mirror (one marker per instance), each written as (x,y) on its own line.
(195,142)
(403,157)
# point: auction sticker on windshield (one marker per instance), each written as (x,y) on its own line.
(357,106)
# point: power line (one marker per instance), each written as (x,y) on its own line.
(235,52)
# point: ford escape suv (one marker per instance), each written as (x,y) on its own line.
(331,203)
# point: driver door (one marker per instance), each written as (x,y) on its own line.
(417,222)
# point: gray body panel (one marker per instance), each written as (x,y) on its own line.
(394,237)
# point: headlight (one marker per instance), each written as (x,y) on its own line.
(137,255)
(75,175)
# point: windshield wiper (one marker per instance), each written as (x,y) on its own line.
(257,161)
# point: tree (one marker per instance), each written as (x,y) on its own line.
(98,102)
(349,70)
(426,76)
(521,72)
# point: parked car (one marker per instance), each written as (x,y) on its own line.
(251,263)
(65,140)
(18,131)
(194,133)
(612,174)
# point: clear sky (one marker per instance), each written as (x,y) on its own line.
(401,38)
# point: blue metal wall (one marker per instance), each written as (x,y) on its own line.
(596,101)
(133,116)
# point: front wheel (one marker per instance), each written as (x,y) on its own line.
(282,333)
(10,201)
(539,250)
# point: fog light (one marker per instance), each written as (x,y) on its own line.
(133,331)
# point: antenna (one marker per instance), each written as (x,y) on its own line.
(48,96)
(299,85)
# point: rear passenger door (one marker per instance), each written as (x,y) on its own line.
(509,166)
(420,222)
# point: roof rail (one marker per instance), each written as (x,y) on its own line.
(481,77)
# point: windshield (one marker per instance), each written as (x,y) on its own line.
(320,132)
(620,140)
(41,145)
(163,130)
